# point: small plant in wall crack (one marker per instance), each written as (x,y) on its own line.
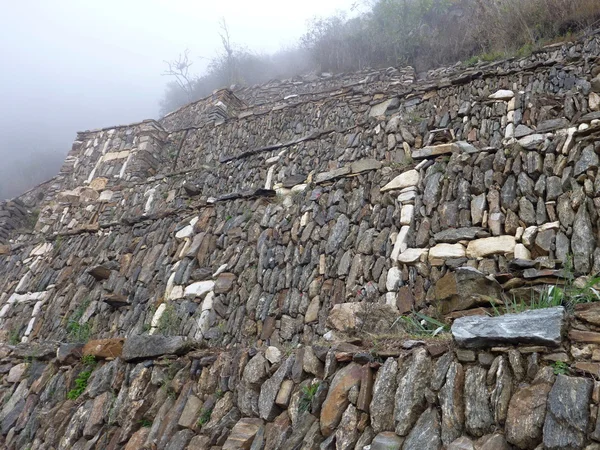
(204,417)
(560,368)
(308,394)
(81,382)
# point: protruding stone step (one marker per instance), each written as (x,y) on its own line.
(541,326)
(149,346)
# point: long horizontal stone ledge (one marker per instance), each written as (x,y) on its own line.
(540,327)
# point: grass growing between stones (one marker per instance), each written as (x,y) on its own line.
(81,381)
(308,394)
(78,332)
(204,417)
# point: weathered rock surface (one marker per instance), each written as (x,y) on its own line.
(567,414)
(145,347)
(543,327)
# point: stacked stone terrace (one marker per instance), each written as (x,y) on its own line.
(234,267)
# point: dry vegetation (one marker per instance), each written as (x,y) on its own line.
(421,33)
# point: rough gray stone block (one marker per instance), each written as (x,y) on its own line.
(541,326)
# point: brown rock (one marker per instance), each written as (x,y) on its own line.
(97,415)
(224,283)
(337,398)
(589,312)
(584,336)
(104,348)
(137,441)
(242,434)
(465,289)
(526,413)
(189,416)
(99,273)
(366,389)
(588,367)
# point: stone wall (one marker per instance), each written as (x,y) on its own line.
(276,234)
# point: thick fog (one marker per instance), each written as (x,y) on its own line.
(72,65)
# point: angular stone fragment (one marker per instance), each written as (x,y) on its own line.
(199,289)
(452,404)
(104,348)
(464,288)
(478,415)
(242,434)
(588,160)
(541,326)
(338,234)
(502,94)
(583,242)
(404,180)
(337,398)
(454,235)
(532,141)
(100,273)
(324,177)
(387,441)
(382,405)
(150,346)
(568,413)
(445,251)
(426,433)
(435,150)
(497,245)
(365,165)
(346,434)
(224,283)
(412,255)
(410,394)
(268,393)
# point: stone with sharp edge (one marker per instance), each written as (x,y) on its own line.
(541,326)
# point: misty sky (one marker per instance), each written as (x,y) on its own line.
(71,65)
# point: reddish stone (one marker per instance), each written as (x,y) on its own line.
(104,348)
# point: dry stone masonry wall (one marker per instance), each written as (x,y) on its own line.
(239,274)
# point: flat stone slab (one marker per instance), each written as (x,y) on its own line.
(152,346)
(540,327)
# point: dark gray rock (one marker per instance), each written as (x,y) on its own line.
(568,413)
(148,347)
(552,124)
(583,242)
(268,392)
(452,404)
(426,433)
(410,395)
(382,405)
(541,326)
(587,160)
(454,235)
(478,416)
(338,234)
